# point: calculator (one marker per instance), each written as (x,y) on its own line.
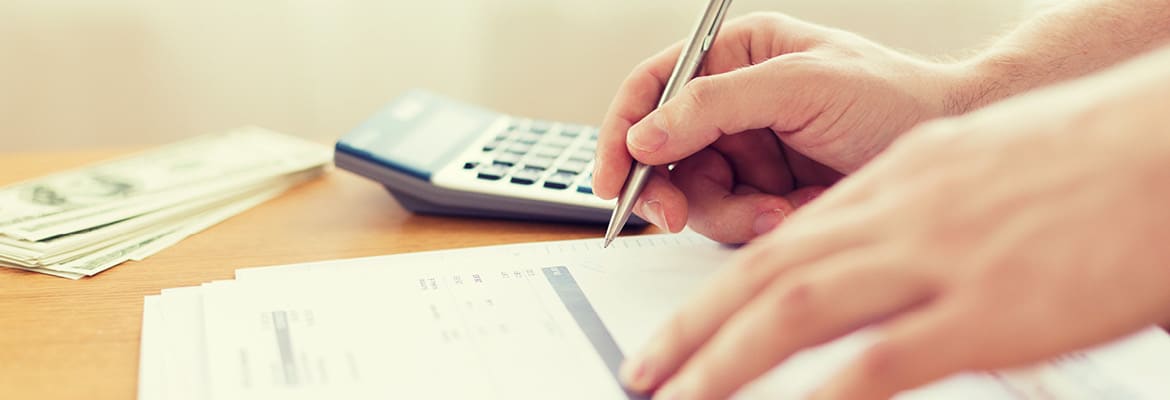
(436,155)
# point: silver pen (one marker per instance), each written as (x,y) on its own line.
(689,61)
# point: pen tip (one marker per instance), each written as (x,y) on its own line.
(607,242)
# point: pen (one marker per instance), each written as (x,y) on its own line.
(687,66)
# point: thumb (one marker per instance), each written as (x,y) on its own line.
(704,110)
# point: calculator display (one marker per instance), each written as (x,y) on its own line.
(420,133)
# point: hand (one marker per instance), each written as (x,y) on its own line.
(1008,236)
(781,110)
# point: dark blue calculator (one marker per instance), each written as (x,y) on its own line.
(439,156)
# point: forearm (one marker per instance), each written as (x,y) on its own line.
(1068,41)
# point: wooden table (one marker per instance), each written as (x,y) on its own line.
(62,339)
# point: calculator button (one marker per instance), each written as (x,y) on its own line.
(492,172)
(519,148)
(528,138)
(470,165)
(548,151)
(559,180)
(559,141)
(526,176)
(573,166)
(492,145)
(541,163)
(539,127)
(507,159)
(570,132)
(586,185)
(582,156)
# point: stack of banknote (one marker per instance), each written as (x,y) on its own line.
(81,222)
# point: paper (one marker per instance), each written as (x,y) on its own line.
(449,324)
(151,381)
(464,332)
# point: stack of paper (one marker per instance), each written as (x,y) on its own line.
(531,321)
(81,222)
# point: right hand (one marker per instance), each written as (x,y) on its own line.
(780,111)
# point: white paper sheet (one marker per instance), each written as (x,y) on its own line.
(186,374)
(151,383)
(365,328)
(467,331)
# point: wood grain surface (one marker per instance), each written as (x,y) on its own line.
(63,339)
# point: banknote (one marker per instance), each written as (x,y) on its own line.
(67,275)
(70,242)
(81,222)
(155,238)
(240,154)
(148,244)
(74,221)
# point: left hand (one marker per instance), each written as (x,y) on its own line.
(1019,232)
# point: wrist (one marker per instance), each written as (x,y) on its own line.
(983,80)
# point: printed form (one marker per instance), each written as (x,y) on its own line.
(528,321)
(454,333)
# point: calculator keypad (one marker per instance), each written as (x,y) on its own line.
(533,152)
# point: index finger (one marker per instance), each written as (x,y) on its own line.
(637,97)
(753,269)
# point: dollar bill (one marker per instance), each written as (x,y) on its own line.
(78,220)
(149,244)
(158,237)
(81,222)
(67,275)
(239,154)
(62,244)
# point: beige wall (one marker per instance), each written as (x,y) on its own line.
(88,73)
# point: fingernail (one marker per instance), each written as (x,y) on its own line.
(634,376)
(768,220)
(646,136)
(652,209)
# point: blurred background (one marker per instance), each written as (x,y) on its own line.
(117,73)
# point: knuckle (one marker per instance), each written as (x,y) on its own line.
(815,69)
(878,363)
(640,83)
(794,304)
(707,223)
(669,119)
(696,96)
(693,103)
(641,70)
(699,93)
